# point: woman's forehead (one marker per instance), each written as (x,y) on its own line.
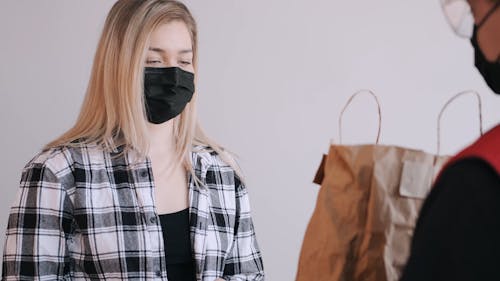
(172,37)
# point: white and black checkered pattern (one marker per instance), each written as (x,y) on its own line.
(86,214)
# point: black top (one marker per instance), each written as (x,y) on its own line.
(457,236)
(176,237)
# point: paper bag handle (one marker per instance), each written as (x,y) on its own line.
(480,107)
(349,102)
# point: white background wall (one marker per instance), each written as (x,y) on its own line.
(273,77)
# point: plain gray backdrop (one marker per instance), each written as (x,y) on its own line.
(273,78)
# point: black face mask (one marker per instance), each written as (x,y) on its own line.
(167,91)
(489,70)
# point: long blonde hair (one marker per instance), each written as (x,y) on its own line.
(113,112)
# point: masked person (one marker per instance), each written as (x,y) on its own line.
(135,190)
(457,236)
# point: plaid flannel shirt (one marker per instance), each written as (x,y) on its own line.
(85,214)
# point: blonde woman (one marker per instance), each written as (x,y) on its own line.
(135,190)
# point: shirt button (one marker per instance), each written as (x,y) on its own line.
(158,273)
(152,219)
(144,174)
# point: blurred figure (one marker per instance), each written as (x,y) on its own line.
(458,233)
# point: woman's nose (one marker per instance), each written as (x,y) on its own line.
(171,63)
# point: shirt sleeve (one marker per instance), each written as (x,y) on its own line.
(245,260)
(457,234)
(39,221)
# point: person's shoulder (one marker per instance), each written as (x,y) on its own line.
(485,148)
(52,158)
(469,167)
(468,178)
(217,167)
(61,158)
(210,157)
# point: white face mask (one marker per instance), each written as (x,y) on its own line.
(459,16)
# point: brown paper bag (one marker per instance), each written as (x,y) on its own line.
(366,211)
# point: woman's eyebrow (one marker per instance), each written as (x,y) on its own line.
(160,50)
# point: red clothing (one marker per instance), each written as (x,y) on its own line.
(486,148)
(458,230)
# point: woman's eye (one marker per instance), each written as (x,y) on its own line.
(184,62)
(153,61)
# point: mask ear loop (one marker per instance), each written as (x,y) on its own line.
(483,21)
(480,108)
(347,105)
(487,16)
